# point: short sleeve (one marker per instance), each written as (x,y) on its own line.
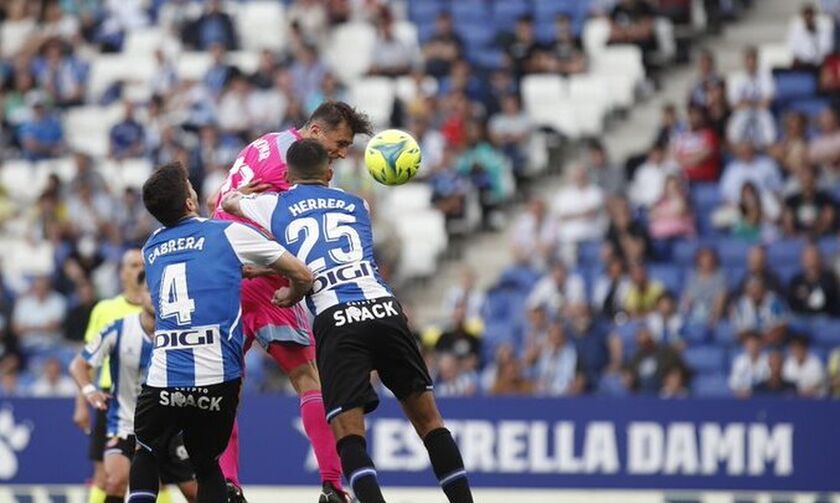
(251,247)
(259,209)
(100,345)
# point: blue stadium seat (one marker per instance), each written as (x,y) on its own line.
(425,31)
(809,106)
(801,325)
(683,251)
(826,331)
(794,85)
(724,333)
(627,331)
(423,11)
(785,252)
(486,58)
(734,275)
(705,196)
(549,9)
(733,251)
(830,246)
(506,12)
(589,253)
(544,30)
(706,359)
(786,272)
(696,334)
(476,34)
(669,275)
(520,278)
(471,12)
(710,386)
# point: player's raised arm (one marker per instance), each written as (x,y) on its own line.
(253,248)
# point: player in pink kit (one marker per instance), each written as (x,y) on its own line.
(285,334)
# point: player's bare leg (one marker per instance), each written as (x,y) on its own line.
(307,384)
(189,490)
(97,483)
(116,477)
(349,428)
(447,464)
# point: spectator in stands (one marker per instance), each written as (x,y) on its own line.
(759,170)
(810,211)
(557,290)
(578,211)
(510,132)
(532,234)
(776,383)
(511,381)
(461,79)
(834,374)
(456,111)
(609,293)
(235,111)
(42,136)
(626,235)
(697,149)
(565,54)
(90,212)
(8,341)
(633,22)
(671,217)
(670,127)
(606,174)
(804,368)
(449,189)
(307,71)
(504,354)
(488,171)
(718,110)
(60,75)
(757,266)
(650,363)
(462,336)
(643,293)
(649,179)
(331,89)
(707,77)
(213,27)
(75,323)
(443,48)
(556,369)
(466,295)
(759,309)
(10,368)
(814,290)
(750,367)
(311,18)
(666,323)
(391,56)
(219,73)
(52,382)
(810,38)
(522,46)
(675,384)
(127,136)
(38,316)
(751,93)
(751,219)
(452,380)
(704,297)
(791,149)
(432,142)
(824,148)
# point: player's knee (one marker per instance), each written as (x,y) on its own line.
(305,378)
(423,414)
(116,484)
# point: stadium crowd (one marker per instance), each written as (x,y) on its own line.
(650,276)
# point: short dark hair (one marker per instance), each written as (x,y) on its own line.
(165,193)
(335,113)
(307,159)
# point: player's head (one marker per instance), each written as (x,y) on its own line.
(308,162)
(131,266)
(334,124)
(169,195)
(145,295)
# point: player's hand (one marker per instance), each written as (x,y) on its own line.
(283,298)
(254,187)
(98,400)
(253,271)
(81,417)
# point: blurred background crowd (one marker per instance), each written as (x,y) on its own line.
(706,264)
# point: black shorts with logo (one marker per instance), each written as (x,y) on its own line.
(204,414)
(98,435)
(355,338)
(175,467)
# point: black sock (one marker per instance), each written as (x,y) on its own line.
(114,499)
(359,469)
(212,487)
(143,480)
(448,465)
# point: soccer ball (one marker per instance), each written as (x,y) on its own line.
(392,157)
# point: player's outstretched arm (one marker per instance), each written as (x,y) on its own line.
(80,371)
(300,279)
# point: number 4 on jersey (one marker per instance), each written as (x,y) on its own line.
(174,298)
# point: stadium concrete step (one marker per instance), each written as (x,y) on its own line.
(766,22)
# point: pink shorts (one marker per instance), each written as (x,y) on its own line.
(285,333)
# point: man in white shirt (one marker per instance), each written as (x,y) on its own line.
(557,290)
(748,368)
(579,210)
(804,369)
(38,316)
(649,180)
(762,171)
(750,94)
(557,365)
(810,37)
(53,383)
(391,55)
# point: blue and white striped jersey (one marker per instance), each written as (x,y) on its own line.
(128,348)
(194,273)
(330,231)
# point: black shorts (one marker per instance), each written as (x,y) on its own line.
(98,435)
(355,338)
(204,414)
(175,468)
